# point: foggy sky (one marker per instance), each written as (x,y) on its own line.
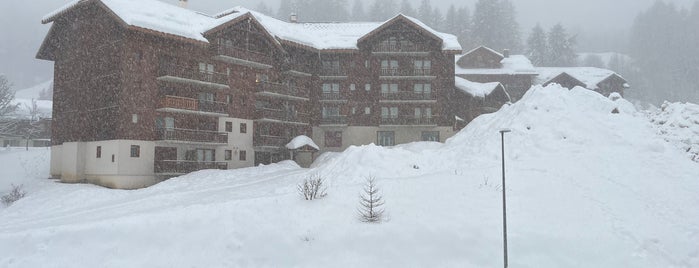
(21,31)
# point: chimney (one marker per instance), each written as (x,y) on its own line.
(183,3)
(294,18)
(506,53)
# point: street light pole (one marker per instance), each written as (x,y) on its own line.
(504,203)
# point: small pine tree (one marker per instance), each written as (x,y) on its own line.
(561,48)
(537,46)
(371,202)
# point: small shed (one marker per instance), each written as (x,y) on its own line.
(302,150)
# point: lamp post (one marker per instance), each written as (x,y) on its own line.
(504,203)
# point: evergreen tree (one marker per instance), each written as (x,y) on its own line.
(263,8)
(382,10)
(485,23)
(451,25)
(437,20)
(561,49)
(536,46)
(463,32)
(407,9)
(285,10)
(424,11)
(509,27)
(358,12)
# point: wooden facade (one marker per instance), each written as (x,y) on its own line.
(115,81)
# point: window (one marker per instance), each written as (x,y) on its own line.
(354,110)
(169,122)
(333,139)
(99,151)
(228,155)
(389,88)
(367,87)
(366,64)
(206,96)
(331,89)
(112,158)
(229,126)
(386,138)
(424,89)
(389,64)
(329,112)
(367,110)
(261,78)
(206,68)
(422,64)
(430,136)
(134,118)
(135,151)
(242,155)
(205,155)
(352,88)
(228,99)
(389,112)
(243,128)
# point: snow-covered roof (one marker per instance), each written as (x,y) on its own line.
(590,76)
(480,90)
(514,64)
(170,19)
(301,141)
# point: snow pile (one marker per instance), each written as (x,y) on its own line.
(678,124)
(518,64)
(301,141)
(587,187)
(478,90)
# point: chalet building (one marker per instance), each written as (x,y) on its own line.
(484,65)
(144,90)
(474,99)
(599,80)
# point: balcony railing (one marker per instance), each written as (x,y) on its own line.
(333,96)
(191,104)
(400,48)
(406,72)
(270,141)
(244,54)
(189,74)
(333,120)
(281,115)
(408,120)
(408,96)
(191,135)
(281,89)
(183,166)
(325,71)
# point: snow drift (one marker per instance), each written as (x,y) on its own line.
(590,184)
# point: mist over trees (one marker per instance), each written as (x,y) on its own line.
(664,46)
(555,48)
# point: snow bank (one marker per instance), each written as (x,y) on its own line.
(587,187)
(678,124)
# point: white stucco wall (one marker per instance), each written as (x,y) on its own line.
(237,142)
(56,164)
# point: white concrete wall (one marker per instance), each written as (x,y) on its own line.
(56,164)
(73,162)
(237,142)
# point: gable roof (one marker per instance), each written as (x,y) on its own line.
(478,90)
(446,40)
(486,49)
(166,18)
(588,76)
(512,65)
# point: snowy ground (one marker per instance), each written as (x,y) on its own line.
(586,188)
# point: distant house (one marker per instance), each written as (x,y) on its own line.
(23,132)
(484,65)
(599,80)
(473,99)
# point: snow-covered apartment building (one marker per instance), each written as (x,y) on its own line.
(146,90)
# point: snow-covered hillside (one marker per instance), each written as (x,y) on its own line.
(586,188)
(24,97)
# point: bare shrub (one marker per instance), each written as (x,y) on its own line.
(312,188)
(371,202)
(15,194)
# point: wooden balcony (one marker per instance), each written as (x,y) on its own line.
(333,120)
(282,91)
(179,74)
(407,96)
(396,73)
(177,167)
(244,57)
(401,49)
(408,121)
(191,136)
(194,106)
(270,142)
(332,97)
(281,116)
(332,73)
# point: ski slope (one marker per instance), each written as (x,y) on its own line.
(586,188)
